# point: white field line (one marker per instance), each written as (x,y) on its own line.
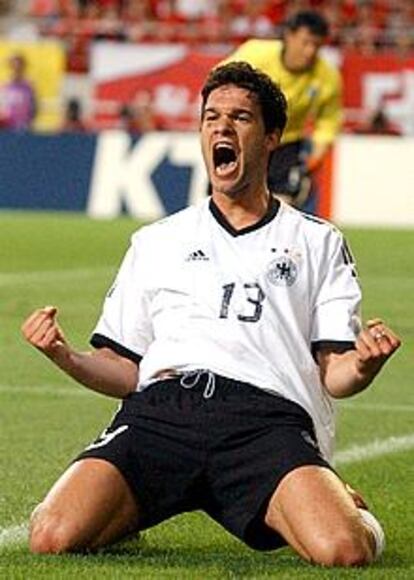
(13,278)
(46,390)
(376,448)
(377,407)
(13,535)
(18,534)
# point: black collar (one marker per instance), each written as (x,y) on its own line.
(271,212)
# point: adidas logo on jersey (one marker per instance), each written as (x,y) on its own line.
(197,256)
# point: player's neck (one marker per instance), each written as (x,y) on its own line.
(243,211)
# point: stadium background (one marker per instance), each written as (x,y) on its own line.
(153,54)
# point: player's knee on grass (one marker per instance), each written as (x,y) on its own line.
(351,544)
(343,548)
(49,533)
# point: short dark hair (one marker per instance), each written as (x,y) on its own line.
(313,21)
(269,95)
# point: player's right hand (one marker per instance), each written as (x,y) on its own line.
(42,331)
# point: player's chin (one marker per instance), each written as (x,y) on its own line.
(226,181)
(308,64)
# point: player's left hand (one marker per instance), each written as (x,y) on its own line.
(374,345)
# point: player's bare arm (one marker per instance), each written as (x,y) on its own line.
(318,154)
(102,370)
(345,374)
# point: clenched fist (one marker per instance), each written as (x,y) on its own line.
(42,331)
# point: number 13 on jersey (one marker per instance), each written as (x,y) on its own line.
(254,297)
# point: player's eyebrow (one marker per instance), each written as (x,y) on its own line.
(209,110)
(236,111)
(243,111)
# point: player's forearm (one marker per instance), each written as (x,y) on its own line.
(345,374)
(101,371)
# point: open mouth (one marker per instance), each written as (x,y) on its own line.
(224,158)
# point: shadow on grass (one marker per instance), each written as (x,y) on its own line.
(235,561)
(230,559)
(137,560)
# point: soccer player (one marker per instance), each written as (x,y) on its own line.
(314,93)
(229,330)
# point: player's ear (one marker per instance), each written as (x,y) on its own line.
(273,140)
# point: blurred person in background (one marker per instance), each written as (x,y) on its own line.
(73,120)
(252,21)
(18,104)
(128,120)
(314,92)
(194,9)
(378,123)
(138,116)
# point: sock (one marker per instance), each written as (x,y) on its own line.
(371,521)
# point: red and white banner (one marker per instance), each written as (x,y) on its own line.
(386,82)
(172,75)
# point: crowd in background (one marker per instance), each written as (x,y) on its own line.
(367,25)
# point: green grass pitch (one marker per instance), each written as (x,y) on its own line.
(45,418)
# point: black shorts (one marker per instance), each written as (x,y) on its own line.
(286,173)
(216,445)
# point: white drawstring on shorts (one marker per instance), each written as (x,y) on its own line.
(190,379)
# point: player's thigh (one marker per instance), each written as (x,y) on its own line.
(91,504)
(312,507)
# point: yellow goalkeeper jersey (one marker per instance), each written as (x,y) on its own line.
(314,96)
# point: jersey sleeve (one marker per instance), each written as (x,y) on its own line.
(336,318)
(329,117)
(242,52)
(124,324)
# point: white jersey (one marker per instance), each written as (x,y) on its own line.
(252,305)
